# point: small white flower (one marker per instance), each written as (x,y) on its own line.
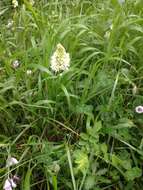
(60,60)
(134,90)
(9,184)
(11,161)
(29,72)
(111,26)
(32,2)
(139,109)
(107,35)
(15,64)
(15,3)
(56,167)
(121,1)
(9,24)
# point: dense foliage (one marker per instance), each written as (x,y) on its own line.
(75,129)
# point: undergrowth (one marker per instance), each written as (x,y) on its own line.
(76,129)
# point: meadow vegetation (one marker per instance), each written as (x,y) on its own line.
(78,128)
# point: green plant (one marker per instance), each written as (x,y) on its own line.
(73,129)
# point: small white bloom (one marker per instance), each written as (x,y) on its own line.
(29,72)
(56,167)
(111,26)
(9,24)
(139,109)
(11,161)
(13,184)
(9,184)
(32,2)
(60,60)
(15,64)
(15,3)
(107,35)
(134,90)
(121,1)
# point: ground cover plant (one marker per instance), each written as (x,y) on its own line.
(71,103)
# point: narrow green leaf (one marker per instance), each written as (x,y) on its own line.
(26,185)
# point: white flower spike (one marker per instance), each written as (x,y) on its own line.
(139,109)
(60,60)
(11,161)
(9,184)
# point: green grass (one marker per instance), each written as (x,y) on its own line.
(75,130)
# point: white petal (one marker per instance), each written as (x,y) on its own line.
(9,188)
(15,64)
(12,183)
(11,161)
(7,184)
(29,72)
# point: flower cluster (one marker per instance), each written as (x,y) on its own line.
(60,60)
(134,89)
(15,3)
(11,183)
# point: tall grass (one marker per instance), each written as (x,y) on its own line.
(90,107)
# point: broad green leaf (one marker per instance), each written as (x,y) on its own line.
(86,109)
(89,182)
(84,136)
(81,160)
(97,126)
(133,173)
(116,160)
